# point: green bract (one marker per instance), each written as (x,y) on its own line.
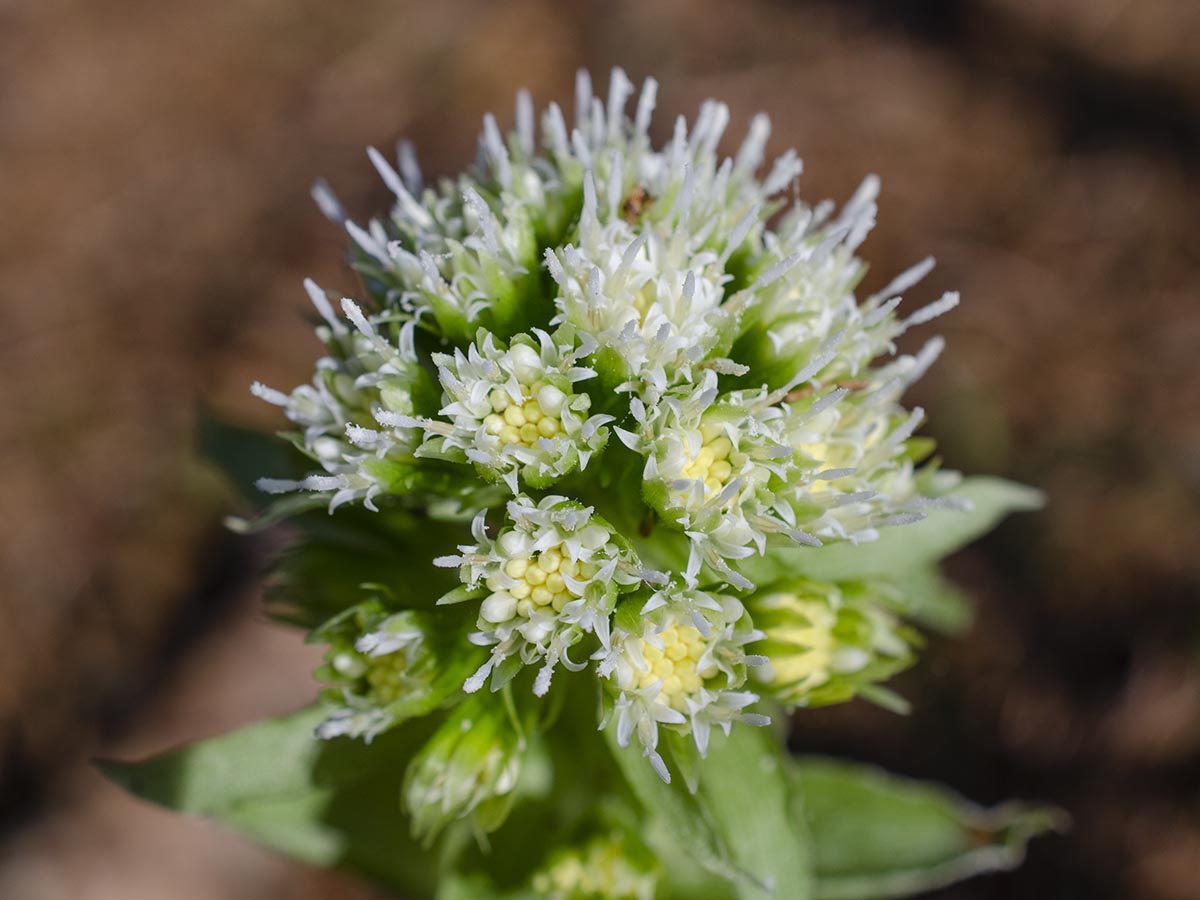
(737,550)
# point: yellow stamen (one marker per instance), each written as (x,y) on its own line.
(540,583)
(675,665)
(711,465)
(526,422)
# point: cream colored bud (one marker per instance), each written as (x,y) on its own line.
(499,607)
(526,364)
(551,400)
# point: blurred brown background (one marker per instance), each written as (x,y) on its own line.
(155,159)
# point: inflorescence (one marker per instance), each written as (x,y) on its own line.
(633,370)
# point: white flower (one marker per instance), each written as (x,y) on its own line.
(804,300)
(679,662)
(579,279)
(720,467)
(650,302)
(658,237)
(551,576)
(446,255)
(807,464)
(857,459)
(513,412)
(363,377)
(380,666)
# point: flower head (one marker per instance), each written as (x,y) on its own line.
(385,667)
(823,643)
(678,661)
(551,576)
(719,468)
(580,280)
(514,411)
(366,379)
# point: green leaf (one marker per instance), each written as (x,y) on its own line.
(932,600)
(744,784)
(877,835)
(324,571)
(461,594)
(324,802)
(245,455)
(678,813)
(681,878)
(740,825)
(901,548)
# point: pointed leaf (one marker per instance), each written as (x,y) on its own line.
(679,813)
(741,824)
(324,802)
(246,455)
(877,835)
(744,784)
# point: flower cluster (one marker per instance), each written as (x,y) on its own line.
(577,282)
(824,643)
(514,413)
(550,577)
(376,664)
(679,661)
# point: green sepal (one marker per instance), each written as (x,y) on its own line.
(885,698)
(461,594)
(918,449)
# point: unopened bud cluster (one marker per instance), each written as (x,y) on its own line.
(606,868)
